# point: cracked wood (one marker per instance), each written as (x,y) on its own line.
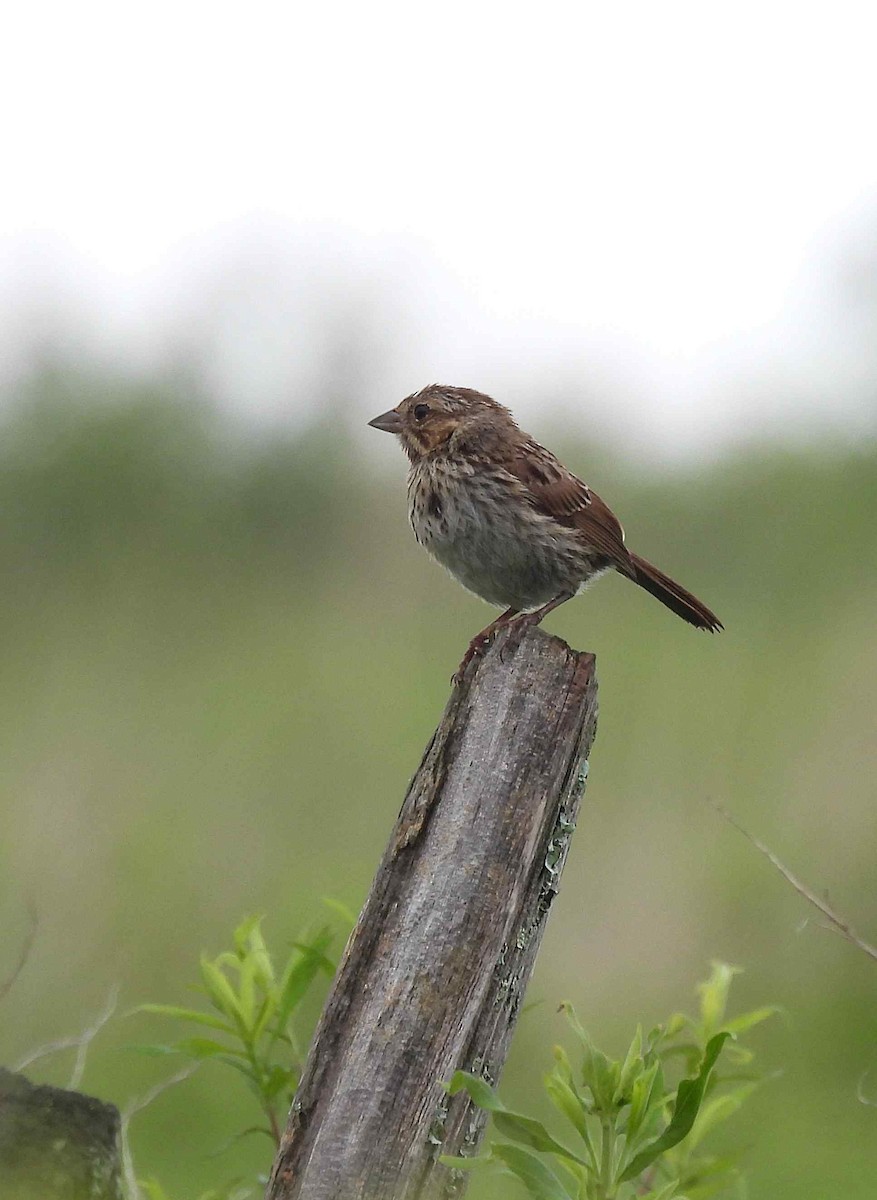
(434,972)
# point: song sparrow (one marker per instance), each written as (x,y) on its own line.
(504,516)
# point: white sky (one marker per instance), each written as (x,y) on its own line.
(647,193)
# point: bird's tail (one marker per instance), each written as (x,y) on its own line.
(674,595)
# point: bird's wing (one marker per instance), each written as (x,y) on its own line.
(558,493)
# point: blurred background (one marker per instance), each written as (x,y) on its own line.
(228,238)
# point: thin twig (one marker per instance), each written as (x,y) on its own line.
(23,955)
(81,1042)
(89,1035)
(44,1051)
(137,1105)
(133,1107)
(836,922)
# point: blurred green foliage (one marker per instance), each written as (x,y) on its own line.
(251,1029)
(254,1001)
(223,654)
(637,1133)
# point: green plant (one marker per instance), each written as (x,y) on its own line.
(638,1135)
(254,1002)
(233,1191)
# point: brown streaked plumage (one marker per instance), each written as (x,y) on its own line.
(506,518)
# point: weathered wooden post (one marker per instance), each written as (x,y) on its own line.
(433,974)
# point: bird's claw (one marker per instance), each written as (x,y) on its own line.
(477,647)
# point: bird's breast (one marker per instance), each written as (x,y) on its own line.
(479,523)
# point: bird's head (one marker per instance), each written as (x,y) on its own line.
(438,417)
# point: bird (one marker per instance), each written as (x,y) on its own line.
(507,519)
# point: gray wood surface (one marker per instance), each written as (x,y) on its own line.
(433,975)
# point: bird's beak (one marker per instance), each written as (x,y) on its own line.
(390,422)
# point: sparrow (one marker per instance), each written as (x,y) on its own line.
(506,518)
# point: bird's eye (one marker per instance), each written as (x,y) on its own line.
(420,411)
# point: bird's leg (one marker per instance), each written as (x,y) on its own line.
(527,620)
(481,641)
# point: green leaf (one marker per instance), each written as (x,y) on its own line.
(678,1021)
(714,996)
(278,1078)
(599,1073)
(719,1109)
(656,1036)
(479,1089)
(220,990)
(243,934)
(205,1048)
(532,1133)
(511,1124)
(228,959)
(247,994)
(647,1094)
(264,965)
(536,1176)
(740,1056)
(300,972)
(562,1093)
(317,946)
(153,1189)
(245,1069)
(662,1193)
(266,1011)
(632,1067)
(689,1095)
(569,1104)
(710,1176)
(745,1022)
(188,1014)
(562,1065)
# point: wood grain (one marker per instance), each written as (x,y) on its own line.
(434,972)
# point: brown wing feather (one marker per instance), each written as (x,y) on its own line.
(601,528)
(560,494)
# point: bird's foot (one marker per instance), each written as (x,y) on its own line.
(480,643)
(528,620)
(477,647)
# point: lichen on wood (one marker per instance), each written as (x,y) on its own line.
(435,970)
